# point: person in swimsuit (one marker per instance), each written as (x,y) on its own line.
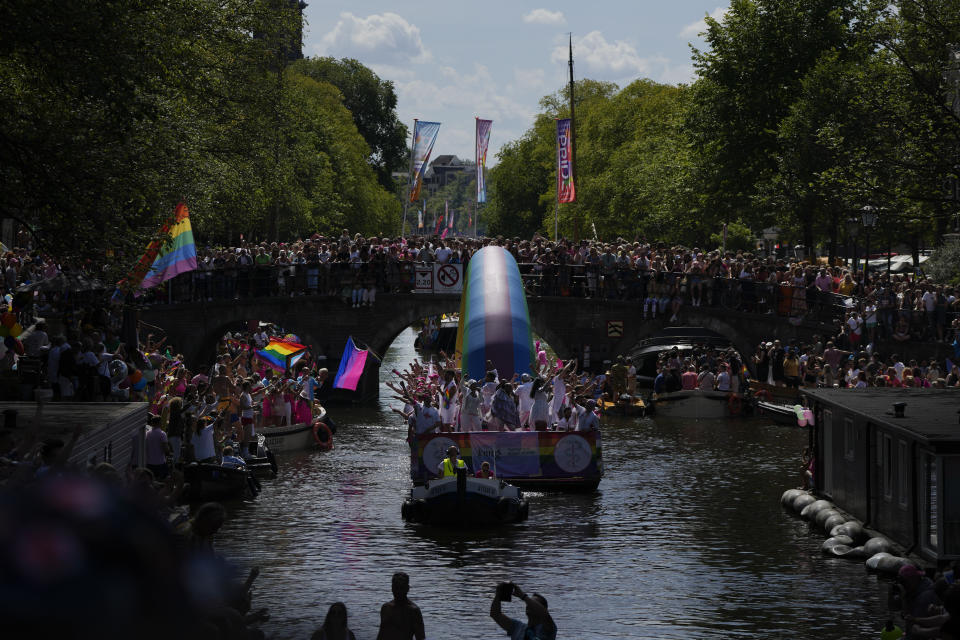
(400,619)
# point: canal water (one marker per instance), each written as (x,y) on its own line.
(684,539)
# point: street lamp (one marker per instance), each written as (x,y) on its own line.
(853,228)
(869,215)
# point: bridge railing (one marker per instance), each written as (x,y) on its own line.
(339,279)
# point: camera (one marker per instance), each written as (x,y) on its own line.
(505,591)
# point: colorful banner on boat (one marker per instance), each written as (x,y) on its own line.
(424,135)
(483,142)
(280,354)
(566,191)
(352,363)
(543,456)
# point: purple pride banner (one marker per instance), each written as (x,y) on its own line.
(566,191)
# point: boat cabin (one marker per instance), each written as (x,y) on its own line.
(891,458)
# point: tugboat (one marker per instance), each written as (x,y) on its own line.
(460,502)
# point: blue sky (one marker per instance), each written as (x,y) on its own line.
(456,60)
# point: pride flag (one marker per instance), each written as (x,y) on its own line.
(424,135)
(280,354)
(483,142)
(351,367)
(171,253)
(177,254)
(566,191)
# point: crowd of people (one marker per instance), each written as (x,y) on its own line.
(835,363)
(438,399)
(661,279)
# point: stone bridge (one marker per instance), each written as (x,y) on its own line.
(566,324)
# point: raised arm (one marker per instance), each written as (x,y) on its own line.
(498,616)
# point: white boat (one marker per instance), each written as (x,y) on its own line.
(295,437)
(461,501)
(697,405)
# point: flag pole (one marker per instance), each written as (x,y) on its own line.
(406,200)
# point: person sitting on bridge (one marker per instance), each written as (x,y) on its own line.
(449,465)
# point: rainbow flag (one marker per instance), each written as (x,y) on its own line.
(351,367)
(280,354)
(170,253)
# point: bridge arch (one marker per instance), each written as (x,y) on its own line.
(567,324)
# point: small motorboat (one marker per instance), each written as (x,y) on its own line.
(626,405)
(697,404)
(213,483)
(264,463)
(298,437)
(460,502)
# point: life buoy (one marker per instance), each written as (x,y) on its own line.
(734,404)
(325,443)
(762,394)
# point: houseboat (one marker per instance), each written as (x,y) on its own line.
(891,458)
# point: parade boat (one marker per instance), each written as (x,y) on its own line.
(460,502)
(298,437)
(536,460)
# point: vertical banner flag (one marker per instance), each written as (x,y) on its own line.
(171,253)
(566,192)
(483,141)
(419,219)
(424,135)
(450,220)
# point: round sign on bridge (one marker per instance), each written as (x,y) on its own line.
(448,275)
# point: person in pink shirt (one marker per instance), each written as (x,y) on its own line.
(688,380)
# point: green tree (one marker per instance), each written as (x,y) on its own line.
(373,103)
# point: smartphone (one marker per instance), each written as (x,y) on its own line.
(505,591)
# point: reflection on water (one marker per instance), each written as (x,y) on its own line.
(684,539)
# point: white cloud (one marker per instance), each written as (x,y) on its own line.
(474,93)
(545,16)
(385,38)
(694,29)
(597,54)
(528,78)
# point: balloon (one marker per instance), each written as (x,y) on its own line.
(15,330)
(808,415)
(8,319)
(8,342)
(801,422)
(118,370)
(139,386)
(18,348)
(136,376)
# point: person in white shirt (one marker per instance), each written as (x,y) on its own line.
(203,439)
(427,418)
(38,340)
(470,419)
(442,254)
(525,401)
(588,420)
(487,390)
(723,379)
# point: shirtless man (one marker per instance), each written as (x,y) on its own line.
(400,619)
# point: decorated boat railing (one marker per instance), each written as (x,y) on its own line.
(532,459)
